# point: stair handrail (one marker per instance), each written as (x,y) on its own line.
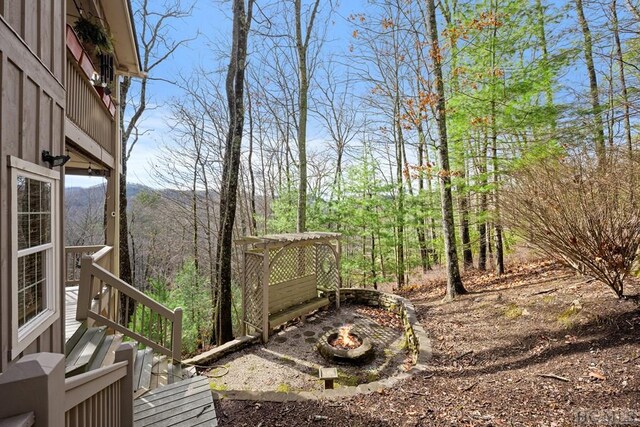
(90,273)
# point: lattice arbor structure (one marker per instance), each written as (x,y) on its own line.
(285,276)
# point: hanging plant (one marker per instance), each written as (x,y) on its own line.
(93,33)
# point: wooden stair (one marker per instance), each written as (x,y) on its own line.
(165,393)
(92,348)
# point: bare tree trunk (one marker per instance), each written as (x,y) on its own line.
(494,157)
(483,205)
(252,178)
(421,228)
(465,234)
(302,47)
(593,82)
(398,136)
(623,81)
(231,165)
(454,281)
(548,87)
(157,48)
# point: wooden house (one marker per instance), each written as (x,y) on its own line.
(62,360)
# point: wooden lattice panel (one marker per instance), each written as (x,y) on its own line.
(327,267)
(253,289)
(291,262)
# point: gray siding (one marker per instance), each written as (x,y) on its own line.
(32,113)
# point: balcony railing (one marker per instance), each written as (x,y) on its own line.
(103,255)
(93,112)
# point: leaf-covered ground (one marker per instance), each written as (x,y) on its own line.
(536,346)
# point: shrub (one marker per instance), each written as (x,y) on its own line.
(584,212)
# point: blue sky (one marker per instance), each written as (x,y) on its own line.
(211,23)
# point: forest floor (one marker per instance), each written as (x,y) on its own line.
(535,346)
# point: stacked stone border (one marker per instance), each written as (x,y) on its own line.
(417,341)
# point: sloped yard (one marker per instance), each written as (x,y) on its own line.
(537,346)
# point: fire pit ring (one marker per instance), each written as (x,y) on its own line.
(355,356)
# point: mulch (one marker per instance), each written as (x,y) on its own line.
(536,346)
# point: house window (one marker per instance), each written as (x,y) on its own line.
(35,270)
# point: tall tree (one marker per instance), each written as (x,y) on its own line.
(156,47)
(623,81)
(302,49)
(598,127)
(242,17)
(454,281)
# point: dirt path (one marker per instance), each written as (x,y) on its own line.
(537,346)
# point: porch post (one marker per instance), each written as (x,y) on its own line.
(113,191)
(35,384)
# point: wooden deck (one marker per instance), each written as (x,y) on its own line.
(185,403)
(71,304)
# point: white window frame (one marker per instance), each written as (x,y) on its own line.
(26,334)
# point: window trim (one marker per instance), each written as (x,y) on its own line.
(22,337)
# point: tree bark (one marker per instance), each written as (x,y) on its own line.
(302,47)
(623,81)
(542,35)
(454,281)
(494,156)
(231,165)
(483,205)
(593,82)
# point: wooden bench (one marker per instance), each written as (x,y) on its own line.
(293,298)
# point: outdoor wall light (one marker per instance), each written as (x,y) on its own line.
(54,161)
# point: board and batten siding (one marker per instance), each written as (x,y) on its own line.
(32,114)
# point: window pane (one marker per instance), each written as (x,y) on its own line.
(23,200)
(34,212)
(45,228)
(45,196)
(34,230)
(34,195)
(29,269)
(30,304)
(20,274)
(20,308)
(32,295)
(23,231)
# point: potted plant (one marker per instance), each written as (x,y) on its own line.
(94,35)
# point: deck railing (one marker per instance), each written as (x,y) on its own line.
(103,255)
(104,396)
(34,390)
(154,325)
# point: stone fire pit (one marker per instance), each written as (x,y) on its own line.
(358,355)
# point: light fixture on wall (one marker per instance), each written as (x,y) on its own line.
(89,170)
(54,161)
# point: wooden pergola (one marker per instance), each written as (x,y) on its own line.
(285,276)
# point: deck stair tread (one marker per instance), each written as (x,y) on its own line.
(101,353)
(187,402)
(74,338)
(110,357)
(84,352)
(142,369)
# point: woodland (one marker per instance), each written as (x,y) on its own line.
(441,139)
